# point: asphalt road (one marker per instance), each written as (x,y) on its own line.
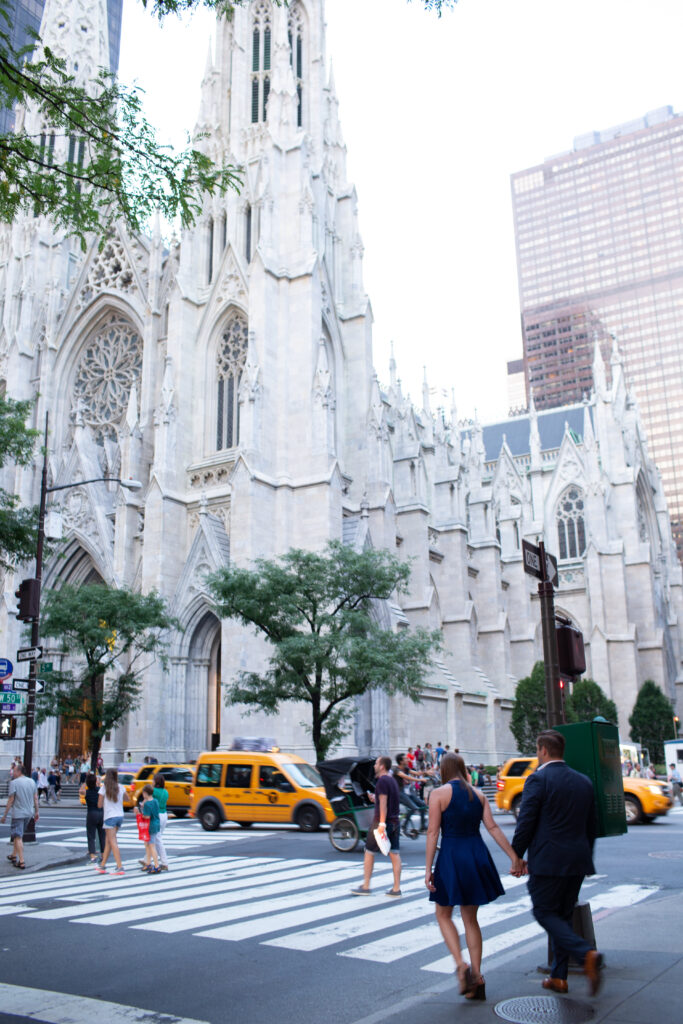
(257,926)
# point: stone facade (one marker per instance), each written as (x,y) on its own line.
(231,372)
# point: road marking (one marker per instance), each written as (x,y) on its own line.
(62,1008)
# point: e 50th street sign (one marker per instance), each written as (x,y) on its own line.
(532,563)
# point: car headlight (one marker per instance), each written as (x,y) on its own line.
(656,789)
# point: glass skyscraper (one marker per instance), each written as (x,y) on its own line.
(599,234)
(25,17)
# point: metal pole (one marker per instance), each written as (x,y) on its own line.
(551,660)
(30,832)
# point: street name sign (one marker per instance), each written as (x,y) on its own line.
(29,653)
(12,698)
(22,684)
(532,562)
(6,668)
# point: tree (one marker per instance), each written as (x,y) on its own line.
(111,166)
(651,720)
(529,714)
(327,647)
(587,700)
(18,526)
(113,635)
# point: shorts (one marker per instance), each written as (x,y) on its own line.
(393,833)
(113,823)
(17,827)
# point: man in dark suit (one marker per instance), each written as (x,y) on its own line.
(557,824)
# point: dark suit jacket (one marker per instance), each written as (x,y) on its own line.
(557,822)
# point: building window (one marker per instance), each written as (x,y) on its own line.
(571,531)
(232,355)
(210,252)
(247,233)
(260,62)
(296,56)
(109,365)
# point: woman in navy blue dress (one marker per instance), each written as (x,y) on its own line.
(464,875)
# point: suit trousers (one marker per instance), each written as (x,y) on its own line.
(553,899)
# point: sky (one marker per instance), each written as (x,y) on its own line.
(436,114)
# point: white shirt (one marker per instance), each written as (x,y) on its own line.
(113,809)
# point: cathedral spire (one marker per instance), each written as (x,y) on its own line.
(599,377)
(392,367)
(282,99)
(76,31)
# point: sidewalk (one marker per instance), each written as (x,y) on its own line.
(39,856)
(643,949)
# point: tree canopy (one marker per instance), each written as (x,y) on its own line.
(529,714)
(651,720)
(18,526)
(317,611)
(111,635)
(587,701)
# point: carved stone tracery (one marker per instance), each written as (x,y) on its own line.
(111,362)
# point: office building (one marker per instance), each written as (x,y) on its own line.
(599,233)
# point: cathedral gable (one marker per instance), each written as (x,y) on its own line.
(118,268)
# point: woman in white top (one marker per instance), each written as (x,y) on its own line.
(110,799)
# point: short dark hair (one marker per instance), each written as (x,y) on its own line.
(386,763)
(148,789)
(553,742)
(399,758)
(91,781)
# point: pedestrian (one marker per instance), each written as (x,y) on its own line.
(94,816)
(161,797)
(42,785)
(439,751)
(557,824)
(150,809)
(58,783)
(674,777)
(385,821)
(464,875)
(22,805)
(428,756)
(110,800)
(51,787)
(407,797)
(150,862)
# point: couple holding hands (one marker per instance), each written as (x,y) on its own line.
(556,824)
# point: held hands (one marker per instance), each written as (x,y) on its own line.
(518,867)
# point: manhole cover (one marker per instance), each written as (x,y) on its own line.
(667,854)
(543,1010)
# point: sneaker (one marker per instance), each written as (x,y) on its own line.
(118,871)
(100,871)
(361,891)
(393,892)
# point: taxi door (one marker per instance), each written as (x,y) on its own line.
(274,794)
(236,795)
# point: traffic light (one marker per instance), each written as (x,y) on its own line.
(570,650)
(28,596)
(8,727)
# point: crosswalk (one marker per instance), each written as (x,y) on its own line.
(179,835)
(301,904)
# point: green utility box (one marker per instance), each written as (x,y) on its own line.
(593,749)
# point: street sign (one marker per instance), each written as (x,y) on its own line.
(29,653)
(8,727)
(22,684)
(11,698)
(6,668)
(46,666)
(532,562)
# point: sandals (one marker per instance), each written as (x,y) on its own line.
(11,857)
(19,864)
(464,974)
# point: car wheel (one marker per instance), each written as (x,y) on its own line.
(308,819)
(344,834)
(180,814)
(634,812)
(515,806)
(245,824)
(210,818)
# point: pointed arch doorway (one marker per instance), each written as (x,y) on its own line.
(203,692)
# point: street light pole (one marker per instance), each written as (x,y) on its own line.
(134,485)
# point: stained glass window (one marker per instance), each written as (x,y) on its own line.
(232,356)
(111,362)
(571,533)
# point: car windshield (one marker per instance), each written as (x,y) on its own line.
(125,778)
(304,775)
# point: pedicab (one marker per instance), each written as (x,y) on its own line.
(349,784)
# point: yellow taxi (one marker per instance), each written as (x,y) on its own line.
(178,781)
(125,779)
(263,786)
(644,799)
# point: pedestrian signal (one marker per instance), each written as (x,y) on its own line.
(28,596)
(8,727)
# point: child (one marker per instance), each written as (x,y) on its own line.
(150,810)
(143,822)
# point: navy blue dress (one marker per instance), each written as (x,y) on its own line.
(465,874)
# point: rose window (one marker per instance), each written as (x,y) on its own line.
(109,366)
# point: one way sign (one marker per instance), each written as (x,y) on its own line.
(22,684)
(532,563)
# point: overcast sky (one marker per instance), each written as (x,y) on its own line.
(437,113)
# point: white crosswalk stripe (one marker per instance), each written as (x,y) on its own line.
(301,904)
(179,835)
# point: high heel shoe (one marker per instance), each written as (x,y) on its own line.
(477,990)
(464,978)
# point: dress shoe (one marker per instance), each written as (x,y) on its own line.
(592,968)
(556,985)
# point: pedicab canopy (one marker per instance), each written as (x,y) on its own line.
(347,781)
